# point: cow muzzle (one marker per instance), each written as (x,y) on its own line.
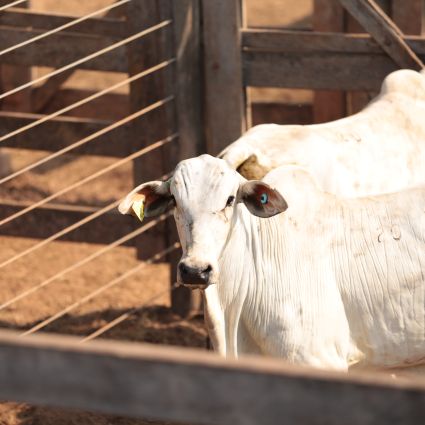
(195,277)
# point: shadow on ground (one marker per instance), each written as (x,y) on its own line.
(154,324)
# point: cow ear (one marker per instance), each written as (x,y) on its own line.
(260,199)
(148,199)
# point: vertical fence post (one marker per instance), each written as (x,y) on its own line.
(408,15)
(185,114)
(188,77)
(357,100)
(328,105)
(142,54)
(188,87)
(224,95)
(12,76)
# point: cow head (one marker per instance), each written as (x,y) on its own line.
(204,192)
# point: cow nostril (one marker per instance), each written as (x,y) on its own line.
(195,275)
(183,268)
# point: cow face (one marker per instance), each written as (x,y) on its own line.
(204,192)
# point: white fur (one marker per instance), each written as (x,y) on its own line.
(378,150)
(330,283)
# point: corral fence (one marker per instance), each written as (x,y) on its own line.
(344,68)
(158,122)
(188,386)
(189,65)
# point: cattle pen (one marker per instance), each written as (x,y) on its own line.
(95,101)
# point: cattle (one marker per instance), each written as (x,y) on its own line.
(380,149)
(290,271)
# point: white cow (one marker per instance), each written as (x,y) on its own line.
(297,273)
(378,150)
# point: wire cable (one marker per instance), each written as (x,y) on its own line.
(88,139)
(85,260)
(87,99)
(63,232)
(101,289)
(67,230)
(93,176)
(62,27)
(88,58)
(15,3)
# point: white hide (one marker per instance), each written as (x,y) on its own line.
(380,149)
(329,283)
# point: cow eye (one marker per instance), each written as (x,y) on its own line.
(173,201)
(230,201)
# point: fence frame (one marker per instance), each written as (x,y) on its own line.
(299,59)
(92,35)
(192,386)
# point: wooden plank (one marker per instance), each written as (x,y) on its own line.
(186,16)
(317,71)
(224,99)
(287,41)
(246,91)
(187,77)
(60,132)
(308,66)
(108,107)
(328,15)
(61,49)
(108,27)
(357,100)
(384,31)
(408,20)
(309,42)
(183,300)
(408,16)
(191,386)
(351,25)
(11,77)
(55,217)
(143,54)
(281,113)
(43,94)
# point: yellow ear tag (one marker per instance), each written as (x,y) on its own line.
(138,207)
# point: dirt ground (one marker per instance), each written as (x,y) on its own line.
(155,323)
